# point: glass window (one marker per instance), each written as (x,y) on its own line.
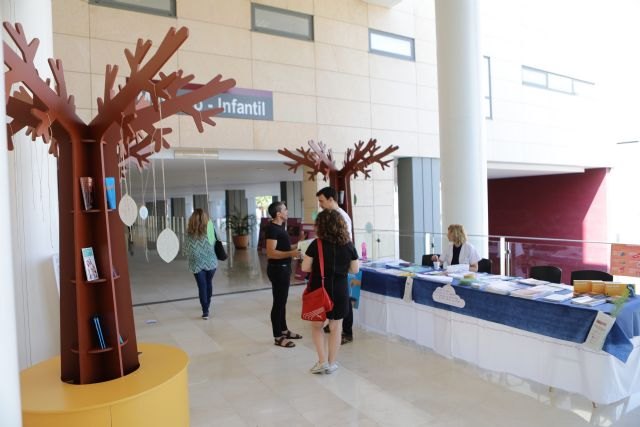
(391,45)
(281,22)
(534,77)
(552,81)
(488,107)
(158,7)
(560,83)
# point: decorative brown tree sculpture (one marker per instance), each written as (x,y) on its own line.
(357,160)
(122,131)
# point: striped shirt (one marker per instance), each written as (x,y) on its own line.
(200,253)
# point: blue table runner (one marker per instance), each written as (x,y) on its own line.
(563,321)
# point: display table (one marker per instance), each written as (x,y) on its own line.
(494,345)
(156,394)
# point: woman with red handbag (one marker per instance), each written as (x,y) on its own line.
(330,258)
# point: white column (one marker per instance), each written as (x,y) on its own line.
(10,386)
(462,142)
(33,194)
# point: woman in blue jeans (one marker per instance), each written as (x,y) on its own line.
(201,258)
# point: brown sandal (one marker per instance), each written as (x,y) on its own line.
(291,335)
(280,342)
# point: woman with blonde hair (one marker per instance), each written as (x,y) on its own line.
(340,257)
(201,257)
(459,250)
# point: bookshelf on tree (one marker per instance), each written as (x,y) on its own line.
(123,131)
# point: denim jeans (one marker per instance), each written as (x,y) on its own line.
(204,279)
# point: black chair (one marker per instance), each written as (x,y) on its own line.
(426,260)
(590,275)
(548,273)
(484,265)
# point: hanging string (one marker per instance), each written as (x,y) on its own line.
(49,180)
(155,197)
(143,185)
(18,182)
(164,186)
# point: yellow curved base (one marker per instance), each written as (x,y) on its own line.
(155,395)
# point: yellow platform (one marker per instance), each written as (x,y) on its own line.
(155,395)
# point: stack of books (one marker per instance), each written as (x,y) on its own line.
(532,282)
(589,300)
(502,287)
(558,297)
(534,292)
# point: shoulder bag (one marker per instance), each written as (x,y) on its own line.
(316,303)
(218,248)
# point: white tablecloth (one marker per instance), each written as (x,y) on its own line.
(562,364)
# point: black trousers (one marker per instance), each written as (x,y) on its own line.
(280,277)
(347,322)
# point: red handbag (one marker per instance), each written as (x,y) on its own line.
(316,303)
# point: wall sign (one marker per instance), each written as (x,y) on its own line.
(238,103)
(625,260)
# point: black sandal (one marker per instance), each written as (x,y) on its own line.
(280,342)
(291,335)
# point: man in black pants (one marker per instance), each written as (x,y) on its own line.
(279,254)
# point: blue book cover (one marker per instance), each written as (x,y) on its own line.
(355,280)
(110,186)
(96,323)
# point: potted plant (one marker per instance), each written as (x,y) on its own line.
(240,227)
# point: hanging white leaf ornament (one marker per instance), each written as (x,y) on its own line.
(144,212)
(167,245)
(128,210)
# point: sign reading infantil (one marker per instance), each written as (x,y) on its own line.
(239,103)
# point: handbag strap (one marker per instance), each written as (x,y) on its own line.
(215,234)
(321,260)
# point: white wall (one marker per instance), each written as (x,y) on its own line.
(34,210)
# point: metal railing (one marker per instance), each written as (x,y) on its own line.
(510,255)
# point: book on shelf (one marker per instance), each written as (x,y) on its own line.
(110,188)
(89,261)
(86,187)
(99,332)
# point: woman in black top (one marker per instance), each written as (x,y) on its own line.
(340,258)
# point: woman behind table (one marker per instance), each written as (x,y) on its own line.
(201,257)
(459,250)
(340,258)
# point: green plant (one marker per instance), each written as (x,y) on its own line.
(239,225)
(619,302)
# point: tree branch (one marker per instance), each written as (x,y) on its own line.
(141,78)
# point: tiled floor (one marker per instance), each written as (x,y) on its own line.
(237,377)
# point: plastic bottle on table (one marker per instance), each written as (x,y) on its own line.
(363,251)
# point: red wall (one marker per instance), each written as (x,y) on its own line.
(568,206)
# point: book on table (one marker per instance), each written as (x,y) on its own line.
(90,267)
(533,282)
(589,300)
(534,292)
(558,297)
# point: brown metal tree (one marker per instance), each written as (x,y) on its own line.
(357,160)
(122,131)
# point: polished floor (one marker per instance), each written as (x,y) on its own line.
(237,377)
